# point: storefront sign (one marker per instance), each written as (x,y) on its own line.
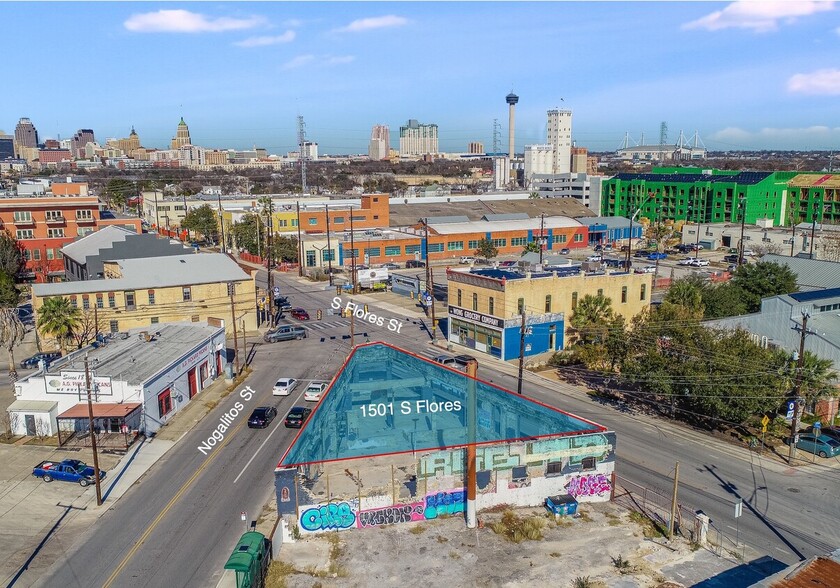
(74,383)
(476,317)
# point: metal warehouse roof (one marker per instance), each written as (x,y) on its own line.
(410,214)
(530,224)
(92,243)
(155,272)
(611,222)
(385,400)
(811,273)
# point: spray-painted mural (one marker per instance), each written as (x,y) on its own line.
(334,516)
(390,515)
(591,485)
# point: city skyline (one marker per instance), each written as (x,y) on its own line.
(746,75)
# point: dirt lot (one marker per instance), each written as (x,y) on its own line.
(444,553)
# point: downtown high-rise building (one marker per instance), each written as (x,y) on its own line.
(79,140)
(182,136)
(418,139)
(559,136)
(379,147)
(26,135)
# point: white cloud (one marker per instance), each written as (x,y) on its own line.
(318,61)
(761,16)
(293,23)
(779,137)
(184,21)
(286,37)
(375,22)
(822,81)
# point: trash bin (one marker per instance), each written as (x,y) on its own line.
(561,504)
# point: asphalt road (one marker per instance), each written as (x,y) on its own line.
(176,527)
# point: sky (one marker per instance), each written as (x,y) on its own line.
(743,75)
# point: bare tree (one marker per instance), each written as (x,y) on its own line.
(42,428)
(10,422)
(90,325)
(11,334)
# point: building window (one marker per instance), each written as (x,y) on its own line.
(459,297)
(560,238)
(186,293)
(114,326)
(112,300)
(472,245)
(338,219)
(328,255)
(36,254)
(24,234)
(554,468)
(578,237)
(55,233)
(623,294)
(73,302)
(351,253)
(548,303)
(491,305)
(372,251)
(84,215)
(99,303)
(129,301)
(294,222)
(23,216)
(643,293)
(411,249)
(499,242)
(600,291)
(435,247)
(587,464)
(475,301)
(85,302)
(155,320)
(455,246)
(151,297)
(313,221)
(283,222)
(82,231)
(27,255)
(393,250)
(574,300)
(53,215)
(520,306)
(516,241)
(310,259)
(165,402)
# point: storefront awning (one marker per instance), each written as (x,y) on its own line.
(101,410)
(32,406)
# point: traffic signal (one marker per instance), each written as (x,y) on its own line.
(318,314)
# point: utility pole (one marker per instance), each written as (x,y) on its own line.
(813,230)
(92,435)
(472,418)
(674,501)
(300,242)
(244,345)
(268,208)
(743,208)
(699,219)
(794,423)
(352,325)
(184,194)
(629,241)
(352,254)
(329,247)
(521,352)
(430,285)
(542,235)
(231,291)
(221,223)
(157,216)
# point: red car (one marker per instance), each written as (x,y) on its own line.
(300,314)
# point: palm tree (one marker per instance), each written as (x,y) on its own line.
(686,293)
(57,317)
(591,316)
(11,334)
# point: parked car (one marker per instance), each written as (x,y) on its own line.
(69,470)
(284,387)
(463,359)
(285,333)
(467,259)
(300,314)
(446,360)
(47,356)
(593,258)
(282,304)
(685,261)
(507,263)
(749,253)
(824,446)
(731,268)
(624,248)
(314,390)
(565,251)
(608,247)
(830,432)
(645,269)
(261,417)
(599,248)
(414,263)
(297,416)
(641,253)
(697,262)
(656,255)
(391,265)
(614,262)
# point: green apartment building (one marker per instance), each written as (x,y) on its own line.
(698,196)
(814,197)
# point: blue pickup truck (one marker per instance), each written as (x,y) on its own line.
(69,470)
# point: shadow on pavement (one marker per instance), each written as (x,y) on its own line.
(745,574)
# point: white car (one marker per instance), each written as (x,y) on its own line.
(313,391)
(686,261)
(467,259)
(284,386)
(646,269)
(594,258)
(699,262)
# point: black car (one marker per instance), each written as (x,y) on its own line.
(412,263)
(733,259)
(32,362)
(297,416)
(832,432)
(261,417)
(463,359)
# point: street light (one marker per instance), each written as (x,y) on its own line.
(650,195)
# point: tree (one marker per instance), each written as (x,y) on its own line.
(687,292)
(88,327)
(591,318)
(285,249)
(723,300)
(11,254)
(486,249)
(118,191)
(189,188)
(531,247)
(763,279)
(203,220)
(59,319)
(247,233)
(11,335)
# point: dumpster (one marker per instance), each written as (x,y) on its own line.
(562,504)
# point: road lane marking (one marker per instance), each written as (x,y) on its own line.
(167,508)
(257,451)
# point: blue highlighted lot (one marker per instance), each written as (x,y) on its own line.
(386,400)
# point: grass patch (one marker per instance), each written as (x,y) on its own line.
(584,516)
(517,529)
(649,528)
(454,555)
(612,520)
(277,574)
(497,508)
(211,404)
(43,441)
(11,439)
(622,565)
(564,522)
(417,529)
(554,554)
(442,539)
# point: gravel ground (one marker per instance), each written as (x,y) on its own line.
(445,553)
